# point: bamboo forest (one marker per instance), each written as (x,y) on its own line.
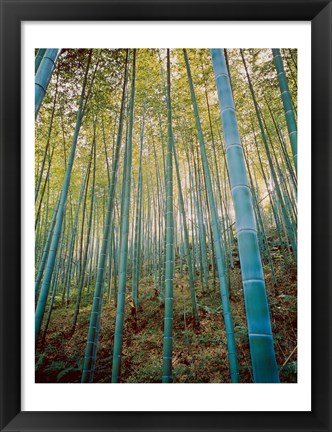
(166,215)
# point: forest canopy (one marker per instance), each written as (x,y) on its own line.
(166,215)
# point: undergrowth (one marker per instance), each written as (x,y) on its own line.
(199,351)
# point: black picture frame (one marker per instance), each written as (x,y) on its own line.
(13,12)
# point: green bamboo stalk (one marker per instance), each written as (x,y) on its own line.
(87,239)
(42,237)
(159,206)
(47,141)
(283,146)
(289,199)
(92,341)
(186,239)
(118,332)
(54,285)
(138,221)
(286,218)
(260,220)
(287,102)
(39,57)
(201,227)
(167,375)
(275,215)
(73,238)
(59,217)
(44,187)
(43,76)
(232,356)
(257,309)
(45,252)
(290,69)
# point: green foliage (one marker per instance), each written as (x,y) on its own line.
(64,372)
(289,372)
(39,361)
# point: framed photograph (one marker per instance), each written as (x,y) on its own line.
(169,199)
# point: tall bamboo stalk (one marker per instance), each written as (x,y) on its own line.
(257,309)
(60,213)
(39,57)
(287,102)
(227,314)
(91,346)
(167,376)
(43,76)
(118,332)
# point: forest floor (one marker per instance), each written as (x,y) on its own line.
(199,352)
